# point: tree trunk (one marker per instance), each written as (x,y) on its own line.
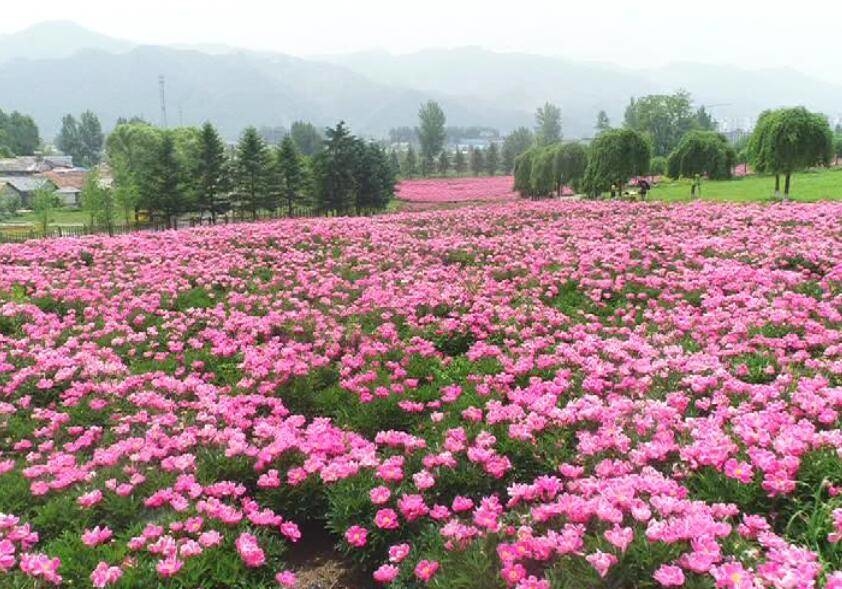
(786,186)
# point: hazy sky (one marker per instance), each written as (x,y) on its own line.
(751,33)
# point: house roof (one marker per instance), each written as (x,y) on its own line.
(25,183)
(32,164)
(19,165)
(70,178)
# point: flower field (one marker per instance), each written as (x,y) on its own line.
(531,396)
(457,190)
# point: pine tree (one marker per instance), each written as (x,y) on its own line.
(333,170)
(459,163)
(253,172)
(477,161)
(91,139)
(410,163)
(167,194)
(68,140)
(492,159)
(548,124)
(212,172)
(444,162)
(291,174)
(431,134)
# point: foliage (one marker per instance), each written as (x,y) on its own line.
(443,164)
(788,140)
(351,175)
(164,187)
(253,173)
(548,124)
(98,202)
(665,118)
(603,123)
(516,143)
(307,137)
(658,166)
(82,140)
(291,174)
(615,157)
(704,153)
(212,173)
(492,159)
(571,161)
(18,134)
(431,134)
(409,166)
(477,161)
(45,201)
(460,164)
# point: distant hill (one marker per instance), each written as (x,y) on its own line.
(523,81)
(232,90)
(55,68)
(56,39)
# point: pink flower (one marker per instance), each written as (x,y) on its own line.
(601,561)
(741,471)
(250,551)
(356,536)
(104,575)
(41,566)
(379,495)
(386,519)
(513,573)
(426,570)
(386,573)
(398,552)
(90,499)
(96,536)
(669,576)
(620,537)
(169,567)
(286,579)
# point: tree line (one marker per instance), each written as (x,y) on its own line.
(18,134)
(664,135)
(171,172)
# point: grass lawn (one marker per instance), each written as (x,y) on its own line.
(806,187)
(60,217)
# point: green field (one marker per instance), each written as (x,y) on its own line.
(59,217)
(806,187)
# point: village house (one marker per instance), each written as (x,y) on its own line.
(22,176)
(69,183)
(24,187)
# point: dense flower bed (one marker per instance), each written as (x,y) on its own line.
(527,395)
(458,190)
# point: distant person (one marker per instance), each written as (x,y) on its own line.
(643,187)
(696,187)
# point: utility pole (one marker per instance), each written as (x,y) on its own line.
(162,84)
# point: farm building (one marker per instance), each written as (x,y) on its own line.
(69,183)
(24,187)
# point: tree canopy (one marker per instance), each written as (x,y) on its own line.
(431,134)
(788,140)
(516,143)
(615,157)
(18,134)
(703,153)
(665,118)
(83,140)
(548,124)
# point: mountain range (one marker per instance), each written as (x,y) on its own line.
(56,68)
